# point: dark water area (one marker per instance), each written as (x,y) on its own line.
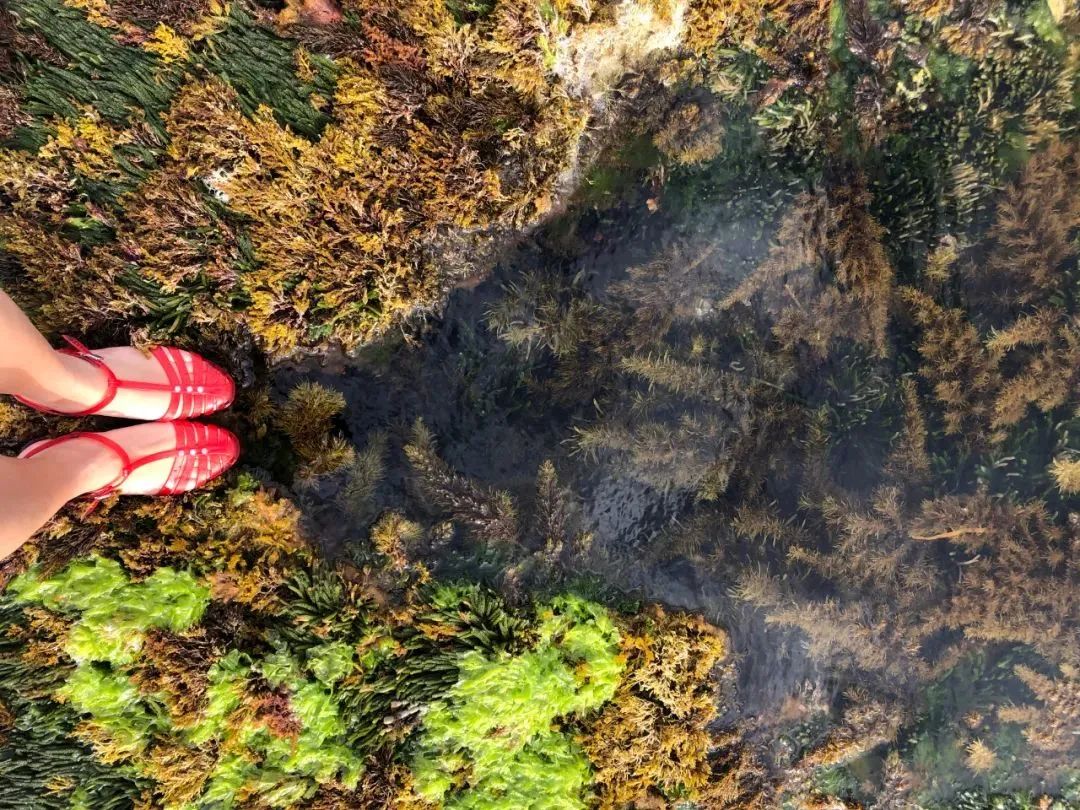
(792,490)
(453,371)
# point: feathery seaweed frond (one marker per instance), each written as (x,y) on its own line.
(491,515)
(307,418)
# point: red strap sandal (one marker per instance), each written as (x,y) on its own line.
(197,387)
(202,453)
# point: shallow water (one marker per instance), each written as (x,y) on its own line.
(479,396)
(452,371)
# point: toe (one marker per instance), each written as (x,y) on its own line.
(223,450)
(203,452)
(219,388)
(226,456)
(199,386)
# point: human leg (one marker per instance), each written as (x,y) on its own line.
(31,492)
(166,383)
(33,489)
(31,368)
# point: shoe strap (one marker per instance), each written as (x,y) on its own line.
(112,384)
(157,352)
(188,382)
(178,455)
(194,443)
(127,467)
(185,386)
(198,448)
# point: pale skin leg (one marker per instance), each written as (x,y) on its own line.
(31,368)
(33,490)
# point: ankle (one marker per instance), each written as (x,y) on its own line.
(82,465)
(69,386)
(84,383)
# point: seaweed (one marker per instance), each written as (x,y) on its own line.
(804,295)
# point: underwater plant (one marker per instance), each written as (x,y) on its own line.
(306,418)
(794,342)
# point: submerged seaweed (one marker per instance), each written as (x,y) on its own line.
(792,341)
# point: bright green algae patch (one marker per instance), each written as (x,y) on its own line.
(492,735)
(288,766)
(114,612)
(276,721)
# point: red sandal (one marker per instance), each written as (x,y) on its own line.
(202,453)
(197,386)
